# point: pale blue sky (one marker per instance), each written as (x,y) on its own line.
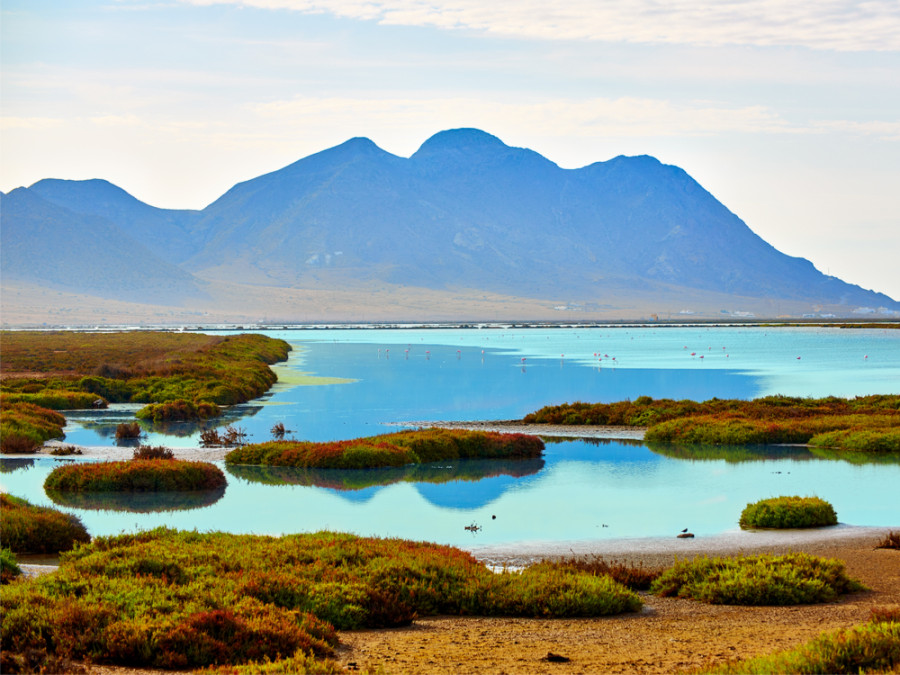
(787,111)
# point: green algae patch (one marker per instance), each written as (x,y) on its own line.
(295,378)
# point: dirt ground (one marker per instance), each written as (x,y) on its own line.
(668,635)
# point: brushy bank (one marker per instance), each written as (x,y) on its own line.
(789,579)
(136,475)
(25,528)
(390,450)
(787,513)
(865,423)
(188,375)
(175,599)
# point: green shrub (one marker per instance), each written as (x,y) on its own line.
(398,449)
(178,410)
(790,579)
(25,528)
(25,426)
(183,599)
(137,475)
(859,440)
(788,512)
(9,569)
(872,647)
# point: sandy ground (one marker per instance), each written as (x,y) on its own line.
(668,635)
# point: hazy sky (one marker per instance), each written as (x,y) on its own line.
(788,111)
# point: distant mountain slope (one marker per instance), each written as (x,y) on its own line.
(46,244)
(166,231)
(466,211)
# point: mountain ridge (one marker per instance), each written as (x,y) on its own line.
(465,211)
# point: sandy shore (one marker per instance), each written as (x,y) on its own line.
(549,430)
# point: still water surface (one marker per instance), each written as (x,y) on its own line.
(578,491)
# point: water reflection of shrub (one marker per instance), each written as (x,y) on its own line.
(358,479)
(730,453)
(137,502)
(10,465)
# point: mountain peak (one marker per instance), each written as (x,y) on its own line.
(465,140)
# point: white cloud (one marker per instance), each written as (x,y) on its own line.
(843,25)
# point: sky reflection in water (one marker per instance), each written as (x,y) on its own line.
(579,487)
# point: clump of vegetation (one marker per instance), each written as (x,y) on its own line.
(136,475)
(152,452)
(635,577)
(128,431)
(865,423)
(890,540)
(859,440)
(9,568)
(872,647)
(25,528)
(173,599)
(62,370)
(179,410)
(790,579)
(65,450)
(787,513)
(398,449)
(278,431)
(230,438)
(25,426)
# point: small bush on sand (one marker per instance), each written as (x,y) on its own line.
(65,450)
(872,647)
(25,528)
(9,569)
(152,452)
(790,579)
(890,540)
(787,513)
(137,475)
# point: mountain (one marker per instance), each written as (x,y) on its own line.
(49,245)
(464,214)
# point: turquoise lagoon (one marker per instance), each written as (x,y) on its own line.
(579,491)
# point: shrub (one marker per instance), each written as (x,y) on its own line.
(178,410)
(398,449)
(859,440)
(891,540)
(138,475)
(25,426)
(873,647)
(788,512)
(635,577)
(183,599)
(65,450)
(9,569)
(127,430)
(25,528)
(152,452)
(790,579)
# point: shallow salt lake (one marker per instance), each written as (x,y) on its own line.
(579,491)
